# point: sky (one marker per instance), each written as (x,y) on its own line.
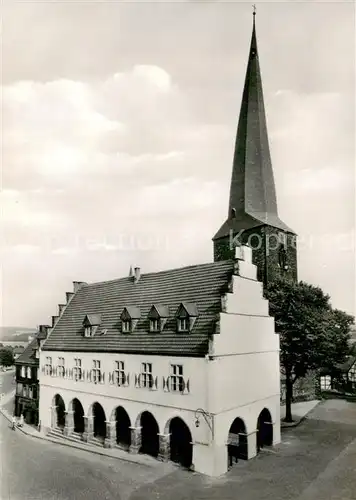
(119,121)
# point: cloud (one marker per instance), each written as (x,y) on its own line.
(117,148)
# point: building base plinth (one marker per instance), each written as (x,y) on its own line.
(210,459)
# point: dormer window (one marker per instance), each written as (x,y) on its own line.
(126,326)
(158,316)
(186,316)
(91,323)
(183,325)
(88,331)
(129,318)
(154,325)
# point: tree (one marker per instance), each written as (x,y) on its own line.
(6,356)
(312,334)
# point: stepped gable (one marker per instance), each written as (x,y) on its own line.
(201,285)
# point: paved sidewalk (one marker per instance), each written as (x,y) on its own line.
(116,453)
(5,372)
(5,398)
(299,412)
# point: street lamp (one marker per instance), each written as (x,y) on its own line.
(207,417)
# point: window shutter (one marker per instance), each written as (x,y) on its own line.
(183,386)
(188,386)
(136,380)
(164,383)
(103,377)
(155,383)
(127,380)
(139,380)
(167,384)
(110,378)
(71,373)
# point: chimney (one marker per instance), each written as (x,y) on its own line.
(61,308)
(131,272)
(137,274)
(43,329)
(69,295)
(54,320)
(77,285)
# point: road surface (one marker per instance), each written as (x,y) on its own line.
(316,461)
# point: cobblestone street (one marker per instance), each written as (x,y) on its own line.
(316,461)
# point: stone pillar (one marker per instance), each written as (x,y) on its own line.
(69,424)
(110,439)
(251,444)
(135,439)
(53,410)
(88,433)
(164,447)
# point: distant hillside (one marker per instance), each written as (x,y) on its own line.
(14,333)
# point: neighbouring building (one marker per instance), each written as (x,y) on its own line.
(341,378)
(17,351)
(27,386)
(182,364)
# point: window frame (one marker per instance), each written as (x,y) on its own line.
(61,367)
(88,331)
(126,325)
(96,371)
(325,382)
(155,325)
(77,370)
(176,378)
(48,365)
(146,375)
(119,373)
(185,321)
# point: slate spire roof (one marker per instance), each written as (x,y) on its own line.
(252,193)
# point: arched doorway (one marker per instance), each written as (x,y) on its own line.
(78,415)
(123,431)
(60,410)
(180,442)
(264,429)
(237,446)
(99,423)
(149,434)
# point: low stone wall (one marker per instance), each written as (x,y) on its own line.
(304,389)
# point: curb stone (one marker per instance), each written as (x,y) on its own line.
(295,423)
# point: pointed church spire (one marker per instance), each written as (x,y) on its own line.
(252,192)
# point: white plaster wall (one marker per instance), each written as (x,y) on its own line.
(163,405)
(247,297)
(244,370)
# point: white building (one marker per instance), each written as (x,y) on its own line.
(181,364)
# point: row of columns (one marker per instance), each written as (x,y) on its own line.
(110,438)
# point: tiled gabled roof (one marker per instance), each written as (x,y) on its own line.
(92,319)
(201,284)
(132,312)
(28,357)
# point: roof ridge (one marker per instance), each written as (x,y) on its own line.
(217,263)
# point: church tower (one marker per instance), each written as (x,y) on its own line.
(253,217)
